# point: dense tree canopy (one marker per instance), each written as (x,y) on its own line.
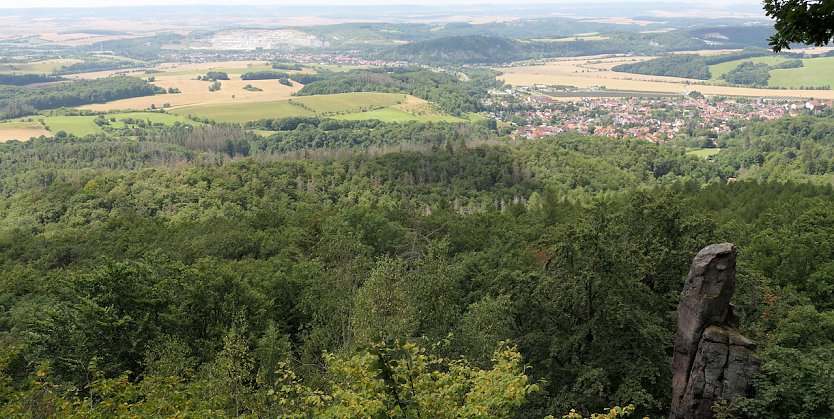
(748,74)
(22,100)
(164,272)
(679,65)
(442,88)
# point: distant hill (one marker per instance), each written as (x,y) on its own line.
(469,49)
(733,36)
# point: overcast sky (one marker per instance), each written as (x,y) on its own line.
(99,3)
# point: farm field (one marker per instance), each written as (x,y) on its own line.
(153,117)
(180,69)
(38,67)
(75,39)
(242,112)
(229,70)
(76,125)
(396,115)
(361,105)
(195,92)
(588,72)
(22,129)
(349,102)
(816,72)
(718,70)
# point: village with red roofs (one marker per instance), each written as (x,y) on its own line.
(537,114)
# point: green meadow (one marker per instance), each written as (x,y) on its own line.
(396,115)
(242,112)
(153,117)
(84,125)
(361,105)
(718,70)
(37,67)
(703,152)
(816,72)
(76,125)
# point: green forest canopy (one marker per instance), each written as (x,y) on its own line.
(256,286)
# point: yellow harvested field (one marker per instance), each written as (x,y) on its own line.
(195,92)
(183,76)
(588,72)
(193,68)
(813,50)
(22,132)
(414,105)
(585,67)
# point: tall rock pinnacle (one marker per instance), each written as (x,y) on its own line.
(712,360)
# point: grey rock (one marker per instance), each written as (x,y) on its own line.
(712,360)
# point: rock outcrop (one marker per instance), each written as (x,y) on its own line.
(712,360)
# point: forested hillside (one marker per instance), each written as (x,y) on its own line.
(443,88)
(169,272)
(690,65)
(679,65)
(470,49)
(16,101)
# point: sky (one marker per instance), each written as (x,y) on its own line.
(100,3)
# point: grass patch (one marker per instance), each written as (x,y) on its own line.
(84,125)
(242,112)
(815,73)
(323,105)
(20,124)
(718,70)
(703,152)
(348,102)
(396,115)
(38,67)
(76,125)
(346,106)
(264,132)
(153,117)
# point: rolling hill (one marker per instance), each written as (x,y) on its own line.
(473,49)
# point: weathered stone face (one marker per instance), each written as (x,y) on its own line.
(712,360)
